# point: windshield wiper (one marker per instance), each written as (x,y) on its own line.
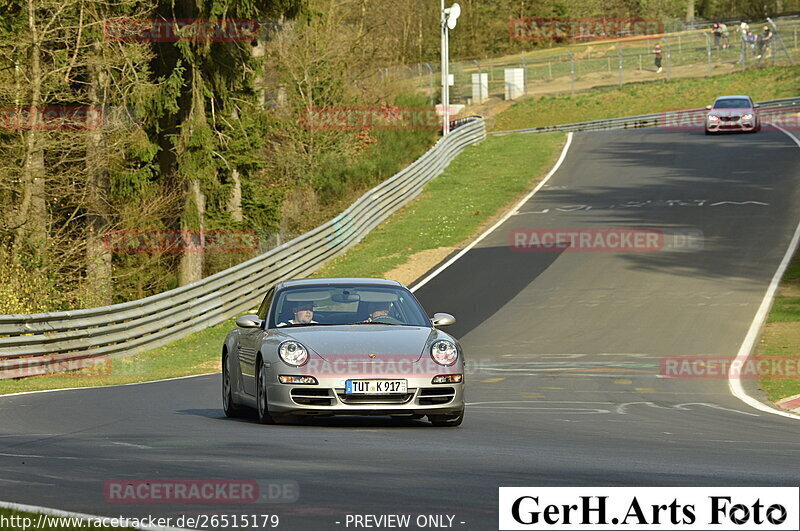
(295,325)
(378,323)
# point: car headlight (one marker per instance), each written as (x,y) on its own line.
(713,118)
(747,116)
(293,353)
(444,352)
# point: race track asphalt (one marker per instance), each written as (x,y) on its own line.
(564,349)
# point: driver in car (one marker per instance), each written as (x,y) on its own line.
(379,311)
(303,314)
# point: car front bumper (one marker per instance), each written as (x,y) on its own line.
(328,397)
(738,125)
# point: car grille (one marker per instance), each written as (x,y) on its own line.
(435,396)
(730,118)
(313,396)
(374,399)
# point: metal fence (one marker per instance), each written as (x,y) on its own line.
(660,119)
(564,69)
(35,344)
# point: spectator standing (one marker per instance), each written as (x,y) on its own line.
(657,52)
(766,42)
(725,36)
(716,31)
(743,28)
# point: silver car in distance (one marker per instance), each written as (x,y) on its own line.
(343,347)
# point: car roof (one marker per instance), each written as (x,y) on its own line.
(327,281)
(734,97)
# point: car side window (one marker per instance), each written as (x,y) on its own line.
(265,304)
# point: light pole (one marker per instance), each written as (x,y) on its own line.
(449,18)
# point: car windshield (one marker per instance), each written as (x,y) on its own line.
(346,305)
(732,103)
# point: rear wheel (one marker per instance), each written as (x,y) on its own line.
(228,404)
(447,421)
(261,395)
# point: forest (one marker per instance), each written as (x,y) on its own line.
(145,144)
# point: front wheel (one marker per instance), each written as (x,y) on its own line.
(447,421)
(228,404)
(261,396)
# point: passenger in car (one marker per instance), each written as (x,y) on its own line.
(303,314)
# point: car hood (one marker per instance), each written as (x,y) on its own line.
(358,342)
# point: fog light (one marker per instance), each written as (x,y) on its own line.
(300,380)
(447,378)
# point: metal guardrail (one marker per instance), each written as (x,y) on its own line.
(641,120)
(38,343)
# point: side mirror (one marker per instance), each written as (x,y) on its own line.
(708,107)
(442,319)
(756,105)
(248,321)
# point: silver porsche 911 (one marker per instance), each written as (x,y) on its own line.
(343,347)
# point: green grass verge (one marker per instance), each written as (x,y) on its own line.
(781,336)
(477,185)
(21,520)
(194,354)
(648,97)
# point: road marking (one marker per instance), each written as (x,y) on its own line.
(623,381)
(40,456)
(622,409)
(502,220)
(492,380)
(532,395)
(735,383)
(132,445)
(107,386)
(644,389)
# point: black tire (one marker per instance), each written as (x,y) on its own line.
(709,133)
(262,404)
(406,417)
(447,421)
(228,404)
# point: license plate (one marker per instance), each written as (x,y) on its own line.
(375,387)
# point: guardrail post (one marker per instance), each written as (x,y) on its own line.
(550,67)
(708,51)
(640,62)
(669,59)
(619,54)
